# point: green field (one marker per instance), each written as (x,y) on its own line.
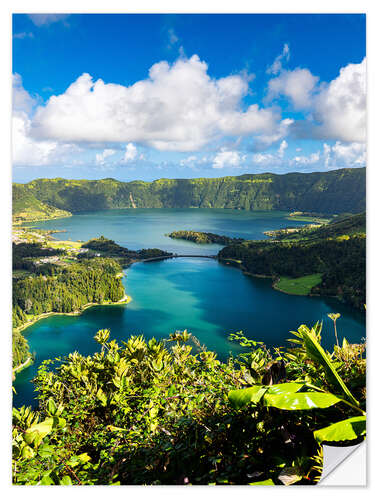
(298,286)
(65,245)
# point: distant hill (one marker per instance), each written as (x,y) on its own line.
(26,207)
(332,192)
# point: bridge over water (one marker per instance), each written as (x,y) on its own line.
(175,256)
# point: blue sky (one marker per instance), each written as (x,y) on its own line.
(149,96)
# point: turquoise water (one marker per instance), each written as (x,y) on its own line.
(210,299)
(147,228)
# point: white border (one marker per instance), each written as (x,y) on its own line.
(161,6)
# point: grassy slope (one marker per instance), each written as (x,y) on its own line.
(298,286)
(27,208)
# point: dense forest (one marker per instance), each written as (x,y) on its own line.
(169,412)
(340,257)
(67,289)
(41,285)
(204,238)
(61,288)
(334,192)
(123,255)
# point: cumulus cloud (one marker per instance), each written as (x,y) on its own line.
(282,148)
(47,19)
(22,100)
(266,140)
(177,108)
(130,153)
(298,85)
(344,155)
(276,66)
(306,160)
(226,158)
(27,151)
(188,161)
(340,107)
(100,157)
(337,109)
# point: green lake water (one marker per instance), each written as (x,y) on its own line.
(210,299)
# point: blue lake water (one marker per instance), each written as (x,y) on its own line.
(209,299)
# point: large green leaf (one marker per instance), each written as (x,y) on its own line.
(345,430)
(300,400)
(38,430)
(317,353)
(241,397)
(66,481)
(288,387)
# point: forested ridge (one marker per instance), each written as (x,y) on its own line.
(57,280)
(336,191)
(339,257)
(67,289)
(204,238)
(41,286)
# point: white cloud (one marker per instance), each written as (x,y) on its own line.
(27,151)
(100,157)
(282,148)
(306,160)
(265,158)
(22,100)
(188,161)
(276,66)
(298,85)
(227,159)
(47,19)
(341,106)
(345,155)
(264,141)
(178,108)
(23,35)
(130,153)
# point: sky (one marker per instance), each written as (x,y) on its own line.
(137,96)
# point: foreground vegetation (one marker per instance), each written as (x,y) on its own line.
(169,412)
(204,238)
(295,191)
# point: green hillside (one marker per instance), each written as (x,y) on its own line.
(26,207)
(335,252)
(335,192)
(340,227)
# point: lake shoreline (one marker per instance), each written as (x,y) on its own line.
(126,299)
(238,265)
